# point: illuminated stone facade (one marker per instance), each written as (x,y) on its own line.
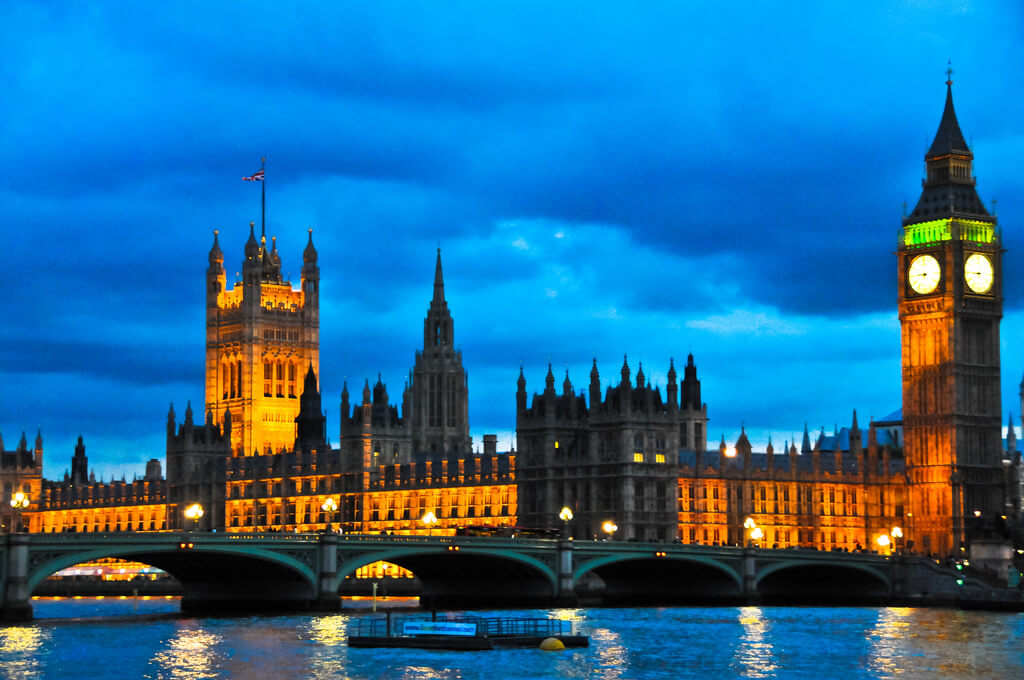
(20,472)
(81,504)
(261,337)
(949,262)
(626,455)
(838,494)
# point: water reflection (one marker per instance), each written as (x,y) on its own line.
(21,646)
(612,655)
(753,656)
(329,658)
(190,655)
(888,641)
(329,630)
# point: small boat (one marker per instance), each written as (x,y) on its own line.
(462,633)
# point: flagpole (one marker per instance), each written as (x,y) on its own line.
(263,198)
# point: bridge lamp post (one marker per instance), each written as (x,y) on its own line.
(897,537)
(884,543)
(751,530)
(756,534)
(609,527)
(329,506)
(19,502)
(430,519)
(194,512)
(566,516)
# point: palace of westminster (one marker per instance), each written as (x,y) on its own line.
(257,459)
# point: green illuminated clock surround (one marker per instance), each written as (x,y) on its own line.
(924,274)
(978,273)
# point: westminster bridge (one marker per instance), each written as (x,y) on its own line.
(222,572)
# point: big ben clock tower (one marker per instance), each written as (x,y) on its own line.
(950,303)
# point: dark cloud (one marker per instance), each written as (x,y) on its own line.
(601,180)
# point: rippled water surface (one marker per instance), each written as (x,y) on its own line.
(720,642)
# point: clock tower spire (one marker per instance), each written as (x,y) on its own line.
(949,261)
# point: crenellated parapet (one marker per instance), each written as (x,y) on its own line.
(613,458)
(196,459)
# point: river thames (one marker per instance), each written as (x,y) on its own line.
(114,638)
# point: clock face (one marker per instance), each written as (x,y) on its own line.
(978,273)
(924,274)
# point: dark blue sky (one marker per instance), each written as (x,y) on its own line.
(601,180)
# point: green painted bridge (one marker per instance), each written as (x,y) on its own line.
(270,572)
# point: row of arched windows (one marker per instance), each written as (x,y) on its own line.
(280,379)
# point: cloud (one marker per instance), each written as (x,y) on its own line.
(647,181)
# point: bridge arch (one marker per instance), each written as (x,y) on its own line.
(146,555)
(214,577)
(833,581)
(470,575)
(668,578)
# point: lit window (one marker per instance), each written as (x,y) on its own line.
(659,458)
(638,457)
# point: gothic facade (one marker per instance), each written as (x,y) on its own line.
(949,261)
(614,460)
(21,472)
(626,454)
(261,336)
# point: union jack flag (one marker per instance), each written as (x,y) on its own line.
(256,177)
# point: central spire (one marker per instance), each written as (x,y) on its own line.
(438,280)
(438,327)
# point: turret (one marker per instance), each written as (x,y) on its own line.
(216,279)
(566,384)
(690,397)
(805,446)
(1011,438)
(595,386)
(172,422)
(521,391)
(345,410)
(549,382)
(79,464)
(311,278)
(672,390)
(743,449)
(310,424)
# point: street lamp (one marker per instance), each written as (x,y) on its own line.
(329,506)
(883,542)
(609,527)
(897,536)
(566,516)
(430,519)
(194,512)
(19,501)
(753,531)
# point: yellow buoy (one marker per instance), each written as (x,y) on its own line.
(551,645)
